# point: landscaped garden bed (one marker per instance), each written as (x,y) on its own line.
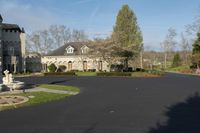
(40,97)
(150,73)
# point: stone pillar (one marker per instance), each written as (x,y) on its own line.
(23,50)
(1,47)
(15,68)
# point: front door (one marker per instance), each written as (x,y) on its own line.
(69,66)
(85,66)
(100,65)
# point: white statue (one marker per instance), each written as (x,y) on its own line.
(8,80)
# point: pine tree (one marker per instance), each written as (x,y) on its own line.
(126,30)
(196,45)
(196,53)
(127,35)
(176,60)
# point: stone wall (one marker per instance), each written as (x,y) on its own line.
(33,63)
(76,62)
(1,58)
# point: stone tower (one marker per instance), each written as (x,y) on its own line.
(23,48)
(1,45)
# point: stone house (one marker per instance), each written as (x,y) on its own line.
(75,56)
(12,47)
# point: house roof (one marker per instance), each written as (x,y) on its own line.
(1,19)
(6,26)
(76,45)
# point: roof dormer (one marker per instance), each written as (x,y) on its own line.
(84,49)
(69,50)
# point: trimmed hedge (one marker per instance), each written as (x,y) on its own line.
(140,70)
(59,73)
(114,74)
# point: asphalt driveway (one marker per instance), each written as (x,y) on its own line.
(170,104)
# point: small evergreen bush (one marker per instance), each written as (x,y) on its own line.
(52,67)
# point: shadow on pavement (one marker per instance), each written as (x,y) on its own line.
(183,117)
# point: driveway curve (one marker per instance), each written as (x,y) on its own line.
(112,105)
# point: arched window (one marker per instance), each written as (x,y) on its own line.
(69,65)
(84,65)
(100,65)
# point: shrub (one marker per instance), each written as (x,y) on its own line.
(52,68)
(59,73)
(116,67)
(176,60)
(114,74)
(130,69)
(139,70)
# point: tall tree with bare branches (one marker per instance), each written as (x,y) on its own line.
(168,45)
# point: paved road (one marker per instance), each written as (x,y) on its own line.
(113,105)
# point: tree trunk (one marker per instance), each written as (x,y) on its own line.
(165,60)
(126,64)
(141,60)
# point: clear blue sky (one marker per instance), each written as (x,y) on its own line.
(97,17)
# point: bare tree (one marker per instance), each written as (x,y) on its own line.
(78,36)
(67,35)
(104,49)
(168,45)
(194,28)
(44,41)
(34,43)
(56,32)
(186,48)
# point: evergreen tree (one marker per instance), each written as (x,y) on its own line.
(196,53)
(127,35)
(126,30)
(196,45)
(176,60)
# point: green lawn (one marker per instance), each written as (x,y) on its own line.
(59,87)
(86,73)
(179,69)
(43,97)
(39,98)
(134,74)
(138,74)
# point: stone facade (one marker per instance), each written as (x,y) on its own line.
(75,57)
(33,62)
(12,47)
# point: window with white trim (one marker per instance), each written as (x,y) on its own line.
(70,50)
(84,49)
